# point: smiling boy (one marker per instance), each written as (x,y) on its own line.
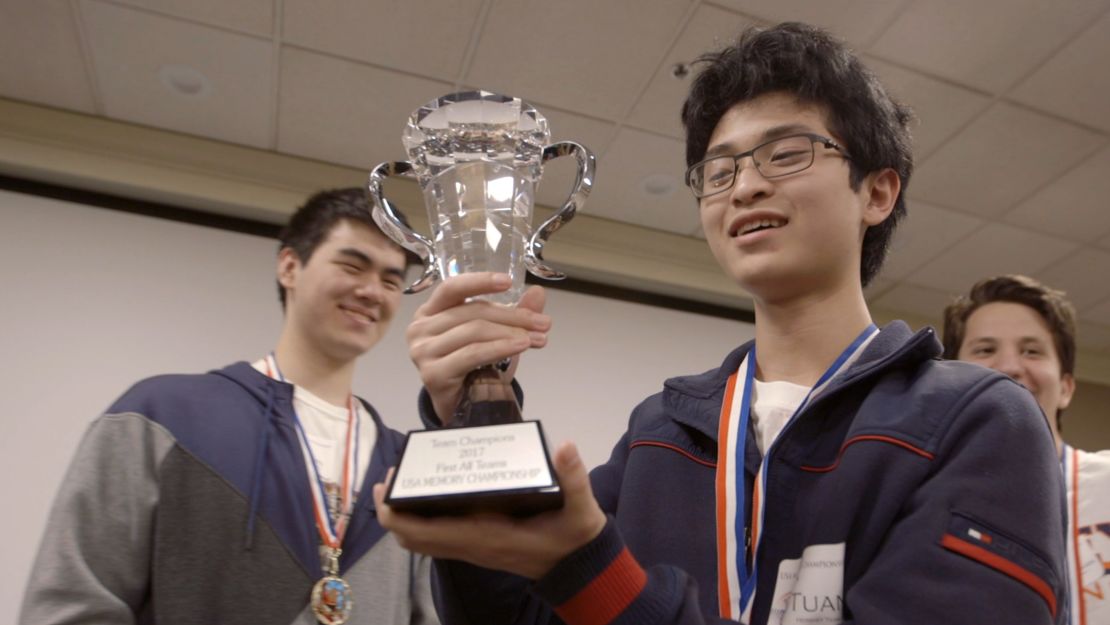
(237,496)
(1026,330)
(846,474)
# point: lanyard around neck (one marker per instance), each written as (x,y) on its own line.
(736,579)
(331,533)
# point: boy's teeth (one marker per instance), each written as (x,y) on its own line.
(762,223)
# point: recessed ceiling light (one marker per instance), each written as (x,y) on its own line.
(185,81)
(658,185)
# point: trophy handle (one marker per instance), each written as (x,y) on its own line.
(533,253)
(391,226)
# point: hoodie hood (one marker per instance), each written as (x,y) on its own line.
(695,401)
(241,424)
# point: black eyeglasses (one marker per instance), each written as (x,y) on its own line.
(778,157)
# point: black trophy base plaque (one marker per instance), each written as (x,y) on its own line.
(501,468)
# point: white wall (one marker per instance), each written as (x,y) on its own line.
(93,300)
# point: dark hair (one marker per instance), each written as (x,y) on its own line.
(1049,303)
(817,69)
(312,222)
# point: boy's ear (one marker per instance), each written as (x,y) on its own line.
(882,188)
(287,266)
(1067,390)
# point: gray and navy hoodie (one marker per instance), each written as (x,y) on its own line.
(188,502)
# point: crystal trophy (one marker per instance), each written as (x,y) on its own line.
(478,157)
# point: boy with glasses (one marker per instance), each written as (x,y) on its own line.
(1024,329)
(844,475)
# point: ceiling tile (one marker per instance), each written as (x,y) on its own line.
(857,21)
(914,300)
(130,48)
(578,55)
(1092,337)
(995,249)
(940,108)
(595,134)
(977,160)
(1078,72)
(41,52)
(422,36)
(251,16)
(659,108)
(634,163)
(1100,313)
(1083,276)
(1074,205)
(1002,157)
(927,232)
(989,44)
(345,112)
(877,288)
(559,174)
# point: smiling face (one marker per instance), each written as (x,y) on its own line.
(796,234)
(341,301)
(1014,339)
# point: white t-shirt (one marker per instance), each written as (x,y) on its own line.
(1088,479)
(773,403)
(325,427)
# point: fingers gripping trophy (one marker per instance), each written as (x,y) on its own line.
(478,157)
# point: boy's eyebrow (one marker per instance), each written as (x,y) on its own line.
(356,254)
(782,130)
(366,260)
(774,132)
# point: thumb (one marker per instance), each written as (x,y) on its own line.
(581,513)
(382,487)
(573,476)
(534,299)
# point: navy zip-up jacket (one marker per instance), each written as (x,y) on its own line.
(930,489)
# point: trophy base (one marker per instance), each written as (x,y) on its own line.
(500,468)
(515,503)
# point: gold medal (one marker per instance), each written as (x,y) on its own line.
(331,596)
(331,600)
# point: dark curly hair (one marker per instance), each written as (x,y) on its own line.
(818,70)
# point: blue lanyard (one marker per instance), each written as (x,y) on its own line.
(331,532)
(748,575)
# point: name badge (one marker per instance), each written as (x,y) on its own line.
(810,589)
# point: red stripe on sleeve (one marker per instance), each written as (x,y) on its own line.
(1002,565)
(608,595)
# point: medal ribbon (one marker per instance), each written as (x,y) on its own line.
(330,533)
(736,579)
(1069,463)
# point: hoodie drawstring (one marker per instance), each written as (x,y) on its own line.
(259,461)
